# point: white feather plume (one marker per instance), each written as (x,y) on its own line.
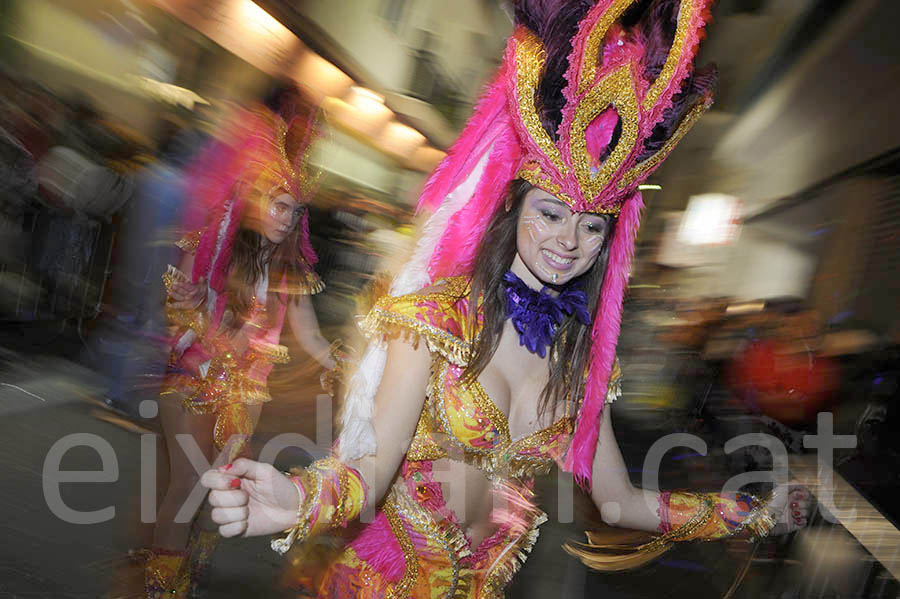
(357,437)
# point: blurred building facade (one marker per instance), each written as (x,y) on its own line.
(804,135)
(397,78)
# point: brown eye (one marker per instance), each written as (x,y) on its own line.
(595,227)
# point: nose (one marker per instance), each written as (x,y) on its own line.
(567,237)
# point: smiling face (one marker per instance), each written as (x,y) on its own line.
(555,244)
(280,216)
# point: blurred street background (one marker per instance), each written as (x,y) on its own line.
(764,292)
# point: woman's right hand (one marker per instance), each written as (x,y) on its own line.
(184,295)
(251,499)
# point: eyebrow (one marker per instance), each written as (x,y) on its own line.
(553,201)
(281,200)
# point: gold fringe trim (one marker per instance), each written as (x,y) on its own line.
(309,283)
(273,352)
(443,531)
(615,550)
(384,319)
(197,400)
(499,577)
(393,325)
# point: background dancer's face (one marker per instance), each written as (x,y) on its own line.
(554,243)
(280,217)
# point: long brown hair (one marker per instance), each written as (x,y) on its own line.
(571,348)
(250,256)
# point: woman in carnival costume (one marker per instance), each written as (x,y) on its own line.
(240,278)
(494,355)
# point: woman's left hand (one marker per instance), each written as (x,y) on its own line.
(790,506)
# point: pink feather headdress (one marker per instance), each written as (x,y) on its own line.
(607,143)
(257,157)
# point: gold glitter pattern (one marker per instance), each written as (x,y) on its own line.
(487,407)
(388,318)
(533,175)
(635,173)
(529,66)
(685,13)
(437,391)
(531,453)
(411,573)
(190,242)
(423,446)
(531,172)
(340,515)
(447,534)
(615,89)
(594,44)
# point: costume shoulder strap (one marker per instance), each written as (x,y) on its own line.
(438,314)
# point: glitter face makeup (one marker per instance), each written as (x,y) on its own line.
(554,243)
(281,216)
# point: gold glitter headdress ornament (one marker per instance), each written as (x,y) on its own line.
(628,95)
(611,107)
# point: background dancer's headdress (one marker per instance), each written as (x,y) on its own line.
(257,157)
(589,100)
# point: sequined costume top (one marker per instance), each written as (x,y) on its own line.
(416,547)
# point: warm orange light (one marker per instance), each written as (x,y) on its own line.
(370,107)
(256,17)
(364,94)
(370,120)
(400,139)
(321,76)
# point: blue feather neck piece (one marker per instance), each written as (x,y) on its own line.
(537,314)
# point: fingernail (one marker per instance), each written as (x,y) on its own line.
(235,483)
(227,467)
(793,503)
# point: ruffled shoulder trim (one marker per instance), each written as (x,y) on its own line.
(190,242)
(308,283)
(439,315)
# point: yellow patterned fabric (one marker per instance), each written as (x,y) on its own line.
(416,547)
(459,413)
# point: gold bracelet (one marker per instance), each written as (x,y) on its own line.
(301,529)
(760,522)
(301,496)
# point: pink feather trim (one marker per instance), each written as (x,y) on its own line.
(456,249)
(599,133)
(377,546)
(605,336)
